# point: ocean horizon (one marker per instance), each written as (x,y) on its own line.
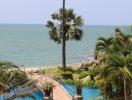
(30,44)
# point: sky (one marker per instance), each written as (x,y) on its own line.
(94,12)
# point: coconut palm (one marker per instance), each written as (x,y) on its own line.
(123,42)
(117,72)
(103,48)
(68,27)
(104,44)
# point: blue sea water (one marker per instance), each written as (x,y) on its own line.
(30,45)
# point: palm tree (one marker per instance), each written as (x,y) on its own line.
(68,28)
(103,48)
(104,44)
(63,39)
(123,42)
(116,73)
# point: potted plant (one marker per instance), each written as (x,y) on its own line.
(48,88)
(79,86)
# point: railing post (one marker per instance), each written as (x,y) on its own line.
(78,97)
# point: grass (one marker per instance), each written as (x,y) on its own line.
(58,71)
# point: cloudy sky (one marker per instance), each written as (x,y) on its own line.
(94,12)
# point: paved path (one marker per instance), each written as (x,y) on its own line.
(59,92)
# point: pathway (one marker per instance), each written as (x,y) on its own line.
(59,92)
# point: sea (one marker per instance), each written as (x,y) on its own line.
(30,44)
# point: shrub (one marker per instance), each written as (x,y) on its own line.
(79,86)
(68,68)
(68,81)
(83,75)
(85,65)
(67,75)
(47,88)
(90,83)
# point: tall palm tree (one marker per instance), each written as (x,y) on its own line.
(68,27)
(63,39)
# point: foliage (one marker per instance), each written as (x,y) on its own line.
(83,74)
(116,54)
(68,27)
(90,83)
(68,68)
(72,24)
(85,65)
(104,44)
(16,77)
(47,88)
(68,81)
(79,86)
(67,75)
(114,74)
(10,75)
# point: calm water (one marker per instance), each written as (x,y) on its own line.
(87,92)
(30,44)
(37,95)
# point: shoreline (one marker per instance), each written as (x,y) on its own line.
(50,66)
(37,68)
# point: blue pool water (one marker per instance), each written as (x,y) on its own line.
(87,92)
(37,95)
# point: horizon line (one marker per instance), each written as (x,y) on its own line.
(82,25)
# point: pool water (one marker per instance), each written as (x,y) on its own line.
(87,92)
(37,95)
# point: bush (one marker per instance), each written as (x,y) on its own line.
(68,81)
(68,68)
(67,75)
(90,83)
(47,87)
(79,86)
(83,75)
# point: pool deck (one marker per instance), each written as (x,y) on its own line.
(59,92)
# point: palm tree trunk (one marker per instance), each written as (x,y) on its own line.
(63,39)
(125,94)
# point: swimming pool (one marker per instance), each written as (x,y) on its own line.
(27,93)
(38,96)
(87,92)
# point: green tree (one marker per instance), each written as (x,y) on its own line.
(117,75)
(103,48)
(10,75)
(104,44)
(68,27)
(123,42)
